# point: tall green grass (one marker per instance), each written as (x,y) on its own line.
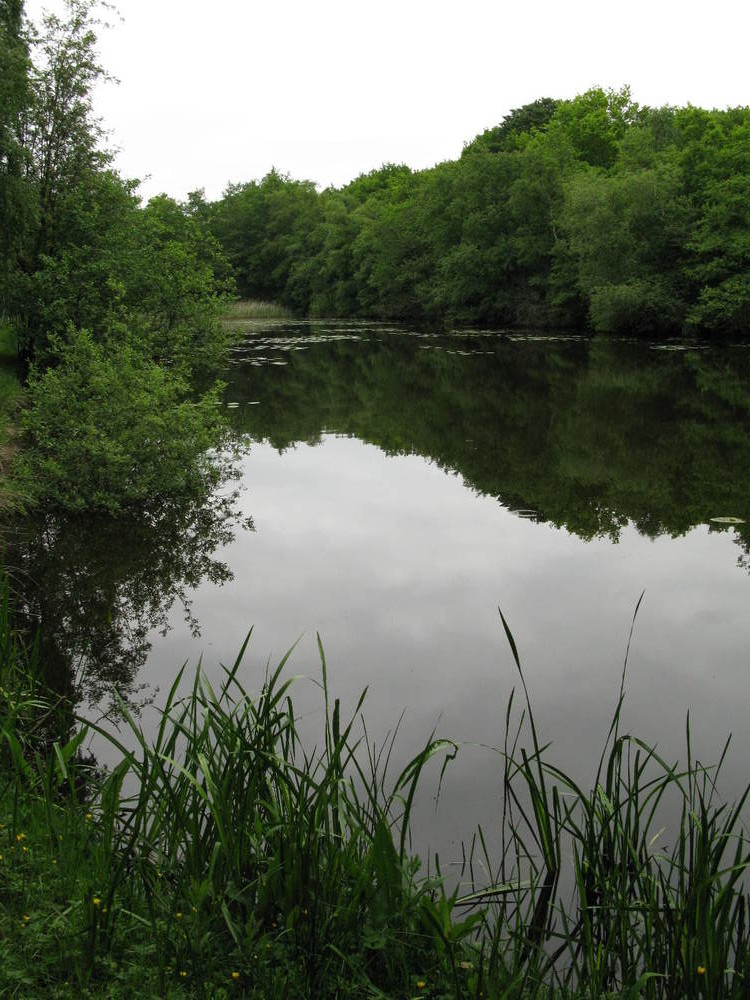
(649,911)
(224,857)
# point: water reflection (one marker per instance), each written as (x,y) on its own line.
(98,588)
(403,485)
(590,435)
(401,569)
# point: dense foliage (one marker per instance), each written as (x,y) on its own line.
(113,429)
(115,306)
(592,210)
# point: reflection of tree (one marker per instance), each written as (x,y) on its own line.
(741,535)
(95,587)
(589,435)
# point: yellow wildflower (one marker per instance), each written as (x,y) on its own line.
(20,837)
(183,973)
(178,915)
(96,900)
(89,816)
(701,970)
(235,975)
(421,984)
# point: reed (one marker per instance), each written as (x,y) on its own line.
(223,857)
(251,309)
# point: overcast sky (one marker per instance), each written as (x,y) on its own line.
(324,90)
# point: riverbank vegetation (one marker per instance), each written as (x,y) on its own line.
(225,858)
(113,307)
(586,213)
(254,309)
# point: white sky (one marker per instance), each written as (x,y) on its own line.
(327,89)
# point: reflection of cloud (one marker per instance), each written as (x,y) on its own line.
(401,569)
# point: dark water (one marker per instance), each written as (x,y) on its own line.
(396,490)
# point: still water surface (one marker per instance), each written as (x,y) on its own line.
(396,489)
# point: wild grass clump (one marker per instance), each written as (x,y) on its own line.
(220,855)
(607,901)
(255,309)
(223,857)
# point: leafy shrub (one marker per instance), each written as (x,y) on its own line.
(109,428)
(633,307)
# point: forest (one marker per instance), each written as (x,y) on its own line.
(592,213)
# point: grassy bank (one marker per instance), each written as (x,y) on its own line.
(223,858)
(252,309)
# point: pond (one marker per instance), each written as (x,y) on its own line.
(396,490)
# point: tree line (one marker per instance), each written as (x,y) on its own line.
(570,213)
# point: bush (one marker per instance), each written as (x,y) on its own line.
(638,306)
(109,428)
